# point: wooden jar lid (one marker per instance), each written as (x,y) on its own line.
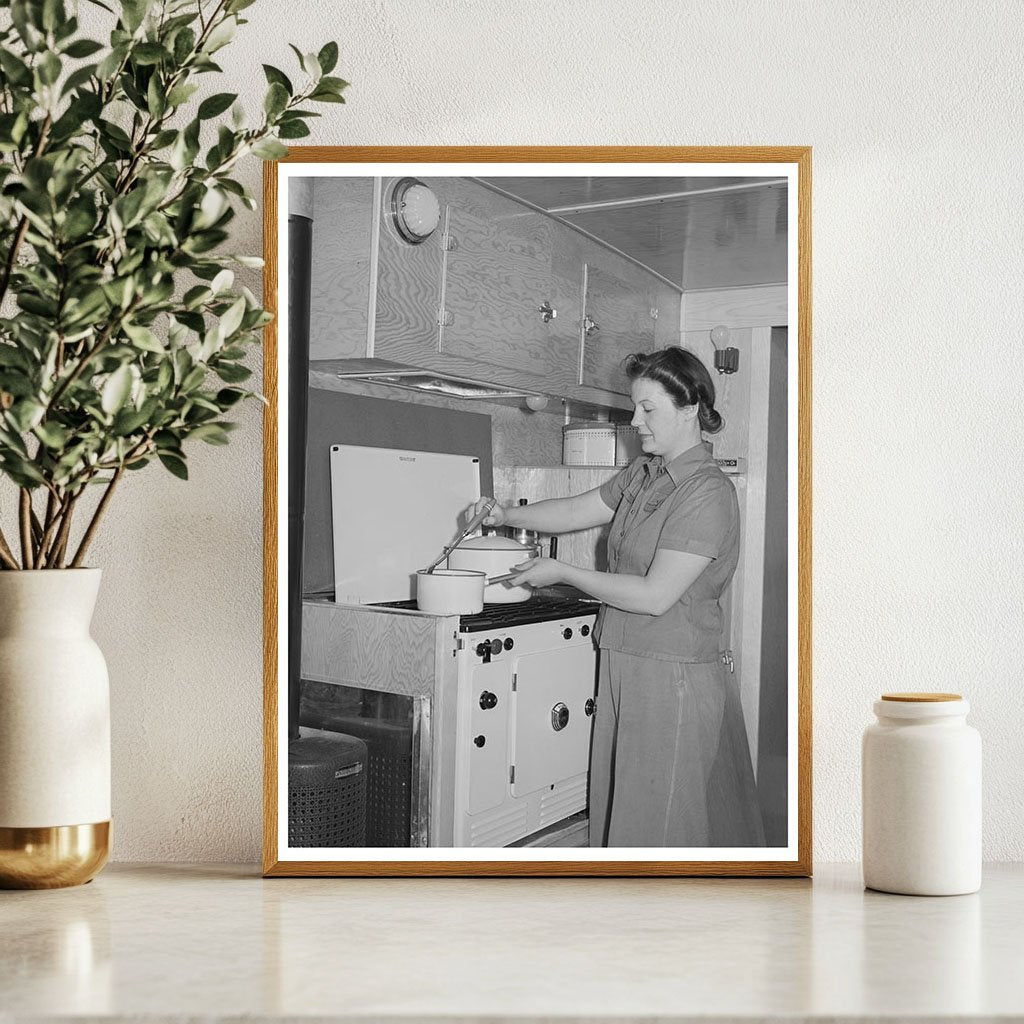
(921,698)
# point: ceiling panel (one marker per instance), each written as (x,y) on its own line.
(716,240)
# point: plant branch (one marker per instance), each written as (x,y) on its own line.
(6,555)
(97,516)
(25,520)
(60,544)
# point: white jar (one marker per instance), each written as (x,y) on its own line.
(921,779)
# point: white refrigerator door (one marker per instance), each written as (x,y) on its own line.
(393,512)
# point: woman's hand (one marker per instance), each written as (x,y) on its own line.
(538,572)
(496,518)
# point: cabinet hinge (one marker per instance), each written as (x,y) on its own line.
(654,312)
(515,681)
(449,243)
(445,317)
(512,774)
(727,660)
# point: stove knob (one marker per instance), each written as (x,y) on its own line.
(589,707)
(479,740)
(567,633)
(559,717)
(488,700)
(584,631)
(495,647)
(509,643)
(482,649)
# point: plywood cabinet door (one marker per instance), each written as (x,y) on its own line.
(619,317)
(502,303)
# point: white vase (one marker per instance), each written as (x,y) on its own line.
(921,776)
(54,731)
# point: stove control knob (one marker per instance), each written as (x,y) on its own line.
(509,643)
(495,647)
(567,633)
(589,707)
(483,650)
(559,717)
(479,740)
(488,700)
(584,631)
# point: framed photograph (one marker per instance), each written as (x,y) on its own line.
(537,511)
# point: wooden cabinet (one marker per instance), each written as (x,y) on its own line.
(619,318)
(502,304)
(472,299)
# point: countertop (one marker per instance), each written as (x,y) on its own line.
(176,942)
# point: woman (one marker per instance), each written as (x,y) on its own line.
(670,765)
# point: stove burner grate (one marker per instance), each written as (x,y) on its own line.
(498,616)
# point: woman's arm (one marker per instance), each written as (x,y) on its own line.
(554,515)
(671,574)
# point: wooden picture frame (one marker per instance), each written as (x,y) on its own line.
(737,308)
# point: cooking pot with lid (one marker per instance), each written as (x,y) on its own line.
(495,556)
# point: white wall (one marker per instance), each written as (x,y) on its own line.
(913,110)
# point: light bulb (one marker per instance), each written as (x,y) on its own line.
(536,402)
(720,334)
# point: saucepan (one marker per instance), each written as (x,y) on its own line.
(453,591)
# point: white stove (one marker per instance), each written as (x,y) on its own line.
(525,708)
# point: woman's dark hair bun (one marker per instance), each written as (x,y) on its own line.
(684,376)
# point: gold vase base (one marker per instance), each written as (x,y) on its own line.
(53,857)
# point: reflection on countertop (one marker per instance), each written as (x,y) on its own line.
(217,941)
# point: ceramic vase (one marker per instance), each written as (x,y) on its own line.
(54,731)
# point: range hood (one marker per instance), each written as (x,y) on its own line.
(411,378)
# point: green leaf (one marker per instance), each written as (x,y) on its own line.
(221,35)
(232,319)
(133,13)
(77,79)
(181,94)
(149,53)
(232,373)
(269,149)
(214,105)
(26,413)
(144,338)
(49,68)
(14,68)
(83,48)
(326,96)
(292,130)
(184,44)
(328,58)
(335,84)
(276,99)
(278,77)
(53,435)
(175,465)
(211,433)
(116,390)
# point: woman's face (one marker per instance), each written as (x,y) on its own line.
(665,428)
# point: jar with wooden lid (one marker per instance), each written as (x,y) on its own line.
(921,789)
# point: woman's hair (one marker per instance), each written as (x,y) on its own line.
(683,376)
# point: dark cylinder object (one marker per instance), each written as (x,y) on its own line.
(327,791)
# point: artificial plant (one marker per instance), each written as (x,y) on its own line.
(122,333)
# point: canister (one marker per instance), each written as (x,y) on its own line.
(627,444)
(921,792)
(588,444)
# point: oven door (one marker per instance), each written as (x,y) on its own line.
(551,717)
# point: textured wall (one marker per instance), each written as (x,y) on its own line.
(913,110)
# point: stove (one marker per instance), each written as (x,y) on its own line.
(526,680)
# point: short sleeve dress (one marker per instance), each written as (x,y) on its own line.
(670,761)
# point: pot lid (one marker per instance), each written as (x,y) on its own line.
(492,543)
